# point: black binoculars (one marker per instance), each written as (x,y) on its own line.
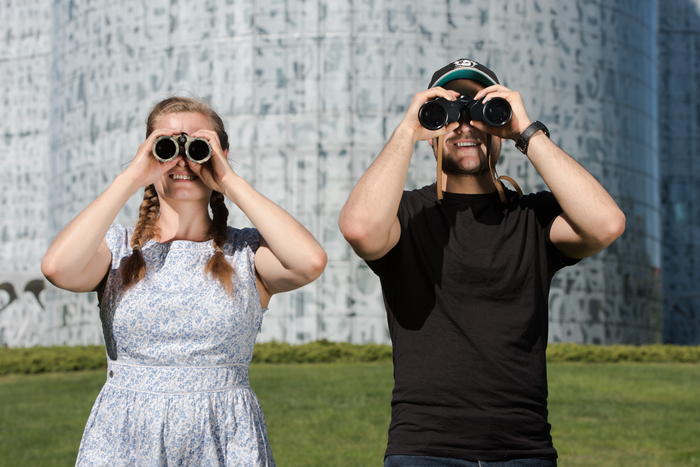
(438,112)
(167,148)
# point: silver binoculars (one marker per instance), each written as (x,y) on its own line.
(167,148)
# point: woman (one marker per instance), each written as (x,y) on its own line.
(181,301)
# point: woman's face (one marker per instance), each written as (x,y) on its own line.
(180,183)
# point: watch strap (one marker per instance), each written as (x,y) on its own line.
(525,136)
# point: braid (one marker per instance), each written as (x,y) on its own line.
(217,266)
(135,267)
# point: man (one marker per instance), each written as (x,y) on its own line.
(466,278)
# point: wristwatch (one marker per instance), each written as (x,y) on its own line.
(525,136)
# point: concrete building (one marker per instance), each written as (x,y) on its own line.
(679,155)
(310,92)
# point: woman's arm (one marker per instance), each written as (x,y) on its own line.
(79,258)
(289,256)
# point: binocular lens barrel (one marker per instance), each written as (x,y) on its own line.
(433,115)
(436,113)
(198,150)
(167,148)
(497,112)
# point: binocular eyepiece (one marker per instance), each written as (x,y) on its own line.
(436,113)
(167,148)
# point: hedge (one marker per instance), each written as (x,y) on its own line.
(52,359)
(655,353)
(64,358)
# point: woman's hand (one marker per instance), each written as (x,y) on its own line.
(144,168)
(216,171)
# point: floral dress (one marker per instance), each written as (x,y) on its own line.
(178,350)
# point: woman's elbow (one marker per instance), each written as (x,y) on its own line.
(317,264)
(49,269)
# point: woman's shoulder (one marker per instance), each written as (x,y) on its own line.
(118,234)
(238,239)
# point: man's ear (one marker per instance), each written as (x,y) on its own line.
(430,142)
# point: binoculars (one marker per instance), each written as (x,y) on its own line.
(167,148)
(436,113)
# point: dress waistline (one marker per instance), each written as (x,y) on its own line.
(177,379)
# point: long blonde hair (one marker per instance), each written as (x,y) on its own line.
(134,267)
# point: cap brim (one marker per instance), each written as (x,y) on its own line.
(465,73)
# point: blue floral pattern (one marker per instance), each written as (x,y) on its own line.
(178,351)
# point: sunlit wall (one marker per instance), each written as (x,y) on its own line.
(25,108)
(310,92)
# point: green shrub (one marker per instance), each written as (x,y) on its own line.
(52,359)
(655,353)
(322,351)
(63,358)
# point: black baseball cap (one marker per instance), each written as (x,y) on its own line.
(464,68)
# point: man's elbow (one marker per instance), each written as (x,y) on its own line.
(353,229)
(362,239)
(609,231)
(615,227)
(353,234)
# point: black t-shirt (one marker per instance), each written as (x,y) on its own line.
(466,291)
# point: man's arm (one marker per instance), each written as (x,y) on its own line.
(591,219)
(369,219)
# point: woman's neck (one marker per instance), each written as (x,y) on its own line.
(186,221)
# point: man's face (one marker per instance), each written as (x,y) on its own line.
(464,149)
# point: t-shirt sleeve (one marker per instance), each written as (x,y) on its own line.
(547,210)
(118,241)
(385,262)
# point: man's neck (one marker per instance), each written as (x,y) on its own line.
(476,184)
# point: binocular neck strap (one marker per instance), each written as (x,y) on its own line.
(494,176)
(512,182)
(438,141)
(497,179)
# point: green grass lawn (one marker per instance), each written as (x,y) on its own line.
(623,414)
(629,414)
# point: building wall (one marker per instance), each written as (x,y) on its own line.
(679,123)
(25,78)
(312,90)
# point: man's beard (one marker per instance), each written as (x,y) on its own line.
(451,167)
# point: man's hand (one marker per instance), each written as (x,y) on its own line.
(410,120)
(518,122)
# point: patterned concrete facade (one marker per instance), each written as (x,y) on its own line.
(26,40)
(679,121)
(310,92)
